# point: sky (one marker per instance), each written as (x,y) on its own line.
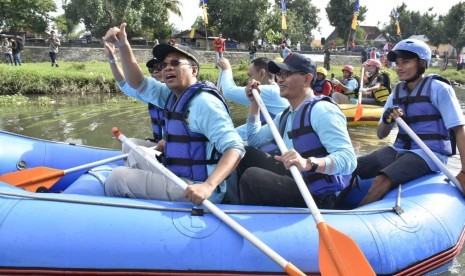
(378,12)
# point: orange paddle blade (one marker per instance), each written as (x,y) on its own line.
(33,178)
(293,270)
(358,112)
(340,255)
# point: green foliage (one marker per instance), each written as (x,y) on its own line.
(95,77)
(65,26)
(26,15)
(236,19)
(144,17)
(454,22)
(81,78)
(340,15)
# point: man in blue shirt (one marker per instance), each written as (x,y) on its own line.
(429,106)
(202,145)
(314,130)
(258,70)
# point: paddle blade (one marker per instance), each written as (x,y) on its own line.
(292,270)
(340,255)
(32,179)
(358,112)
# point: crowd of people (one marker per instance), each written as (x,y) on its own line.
(193,128)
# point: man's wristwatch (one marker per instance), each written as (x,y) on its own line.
(314,162)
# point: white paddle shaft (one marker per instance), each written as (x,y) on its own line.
(359,100)
(294,171)
(96,163)
(207,204)
(430,153)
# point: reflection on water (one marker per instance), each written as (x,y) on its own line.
(88,119)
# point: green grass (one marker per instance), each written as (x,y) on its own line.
(96,77)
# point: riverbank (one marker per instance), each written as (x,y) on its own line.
(95,77)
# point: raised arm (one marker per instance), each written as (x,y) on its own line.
(131,70)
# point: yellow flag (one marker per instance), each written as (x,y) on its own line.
(283,17)
(354,20)
(205,17)
(192,33)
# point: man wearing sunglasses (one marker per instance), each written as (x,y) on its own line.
(202,146)
(314,130)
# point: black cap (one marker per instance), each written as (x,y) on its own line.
(152,63)
(393,55)
(294,62)
(162,50)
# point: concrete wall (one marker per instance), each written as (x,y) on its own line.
(83,54)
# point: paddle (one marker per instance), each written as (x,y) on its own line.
(359,111)
(287,266)
(218,83)
(430,153)
(34,178)
(338,253)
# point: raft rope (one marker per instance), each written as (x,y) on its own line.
(53,197)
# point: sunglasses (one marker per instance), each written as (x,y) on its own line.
(174,63)
(284,74)
(156,68)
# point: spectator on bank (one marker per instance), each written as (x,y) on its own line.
(327,59)
(54,43)
(285,50)
(7,51)
(252,51)
(16,50)
(364,54)
(219,45)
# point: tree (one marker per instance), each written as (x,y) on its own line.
(146,18)
(236,19)
(454,23)
(340,15)
(26,15)
(302,19)
(65,26)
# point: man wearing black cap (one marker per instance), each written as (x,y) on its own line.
(202,145)
(314,130)
(429,106)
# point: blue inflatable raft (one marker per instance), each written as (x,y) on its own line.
(75,229)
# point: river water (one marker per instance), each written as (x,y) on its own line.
(88,119)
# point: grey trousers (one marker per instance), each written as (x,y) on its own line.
(142,180)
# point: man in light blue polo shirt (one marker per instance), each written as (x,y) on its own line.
(202,146)
(314,130)
(258,70)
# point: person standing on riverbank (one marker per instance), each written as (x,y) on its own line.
(428,104)
(7,51)
(16,50)
(53,45)
(219,45)
(202,146)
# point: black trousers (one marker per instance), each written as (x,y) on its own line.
(265,181)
